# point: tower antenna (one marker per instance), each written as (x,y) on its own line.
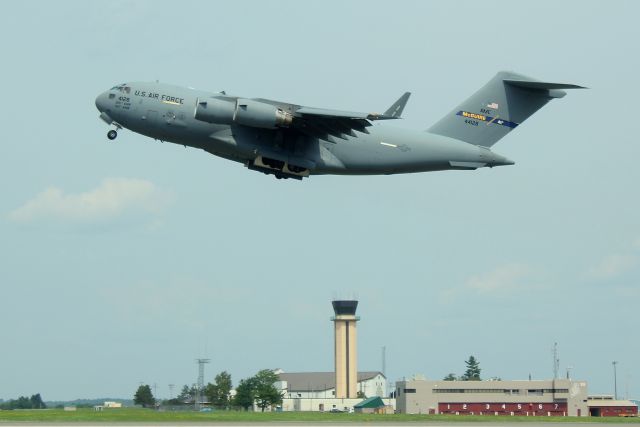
(200,386)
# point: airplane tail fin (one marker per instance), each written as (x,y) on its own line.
(506,101)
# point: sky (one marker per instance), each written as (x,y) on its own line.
(122,262)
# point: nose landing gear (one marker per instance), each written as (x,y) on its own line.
(112,134)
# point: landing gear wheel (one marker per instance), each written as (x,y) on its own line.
(112,134)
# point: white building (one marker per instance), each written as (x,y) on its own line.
(112,405)
(316,391)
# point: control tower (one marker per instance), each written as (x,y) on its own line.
(346,353)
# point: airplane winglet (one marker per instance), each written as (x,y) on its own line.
(395,111)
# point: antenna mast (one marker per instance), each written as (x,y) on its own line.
(200,386)
(556,361)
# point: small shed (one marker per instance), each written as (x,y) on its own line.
(372,405)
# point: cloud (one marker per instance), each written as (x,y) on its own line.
(114,198)
(501,279)
(612,266)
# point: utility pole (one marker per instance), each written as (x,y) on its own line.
(556,361)
(569,368)
(171,386)
(615,380)
(200,386)
(384,370)
(384,361)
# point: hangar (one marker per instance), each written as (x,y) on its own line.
(316,391)
(318,385)
(607,406)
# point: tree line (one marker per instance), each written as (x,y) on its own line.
(258,389)
(24,402)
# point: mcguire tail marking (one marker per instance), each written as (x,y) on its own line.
(489,119)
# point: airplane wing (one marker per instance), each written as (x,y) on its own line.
(330,124)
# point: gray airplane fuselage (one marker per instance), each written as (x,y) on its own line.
(167,113)
(294,141)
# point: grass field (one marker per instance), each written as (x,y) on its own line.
(151,416)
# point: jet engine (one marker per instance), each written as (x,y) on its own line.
(245,112)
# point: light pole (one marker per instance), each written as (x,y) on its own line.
(615,380)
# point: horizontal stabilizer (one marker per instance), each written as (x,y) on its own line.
(541,85)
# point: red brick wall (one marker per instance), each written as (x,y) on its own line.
(614,411)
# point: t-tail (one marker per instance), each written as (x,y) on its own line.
(497,108)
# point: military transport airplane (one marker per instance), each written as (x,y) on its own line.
(294,141)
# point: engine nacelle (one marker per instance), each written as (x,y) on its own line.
(214,110)
(245,112)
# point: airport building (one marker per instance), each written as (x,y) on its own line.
(607,406)
(345,387)
(316,391)
(560,397)
(317,385)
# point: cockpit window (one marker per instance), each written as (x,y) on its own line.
(122,88)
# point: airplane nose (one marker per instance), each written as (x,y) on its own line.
(101,102)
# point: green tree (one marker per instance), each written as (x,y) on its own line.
(218,392)
(473,370)
(450,377)
(144,397)
(23,402)
(187,395)
(266,393)
(36,402)
(245,394)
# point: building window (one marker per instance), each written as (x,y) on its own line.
(409,390)
(468,390)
